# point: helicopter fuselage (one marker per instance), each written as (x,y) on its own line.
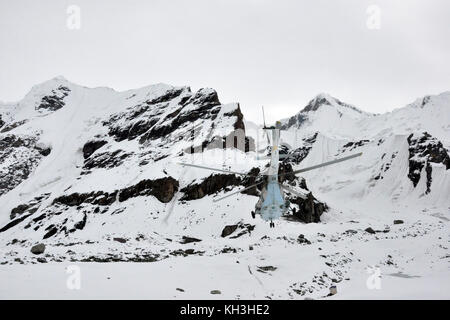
(272,204)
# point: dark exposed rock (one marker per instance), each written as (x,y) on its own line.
(95,198)
(41,217)
(106,160)
(163,189)
(354,144)
(118,258)
(55,101)
(1,121)
(30,207)
(244,229)
(14,222)
(81,224)
(296,156)
(207,106)
(186,252)
(228,230)
(91,146)
(44,151)
(309,209)
(216,292)
(169,95)
(219,182)
(13,125)
(38,249)
(185,240)
(121,240)
(239,124)
(370,230)
(423,150)
(265,269)
(398,221)
(20,157)
(51,232)
(302,240)
(228,250)
(285,172)
(20,209)
(132,130)
(211,185)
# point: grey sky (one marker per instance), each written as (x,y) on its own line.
(257,52)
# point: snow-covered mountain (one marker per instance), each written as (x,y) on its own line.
(94,175)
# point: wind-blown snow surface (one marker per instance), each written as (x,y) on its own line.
(88,172)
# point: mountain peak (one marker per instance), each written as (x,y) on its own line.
(326,99)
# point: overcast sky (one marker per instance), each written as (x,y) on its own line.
(279,54)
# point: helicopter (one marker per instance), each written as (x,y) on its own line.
(272,203)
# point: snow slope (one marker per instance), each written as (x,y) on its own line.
(94,174)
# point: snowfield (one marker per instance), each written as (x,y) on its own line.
(94,175)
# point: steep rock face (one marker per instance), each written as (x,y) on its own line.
(106,160)
(296,156)
(91,146)
(19,156)
(211,185)
(55,100)
(163,189)
(219,182)
(306,209)
(129,138)
(424,150)
(309,209)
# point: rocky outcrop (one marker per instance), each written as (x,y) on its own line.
(91,146)
(206,105)
(30,207)
(309,210)
(14,223)
(219,182)
(163,189)
(95,198)
(106,160)
(211,185)
(354,144)
(244,228)
(11,126)
(55,100)
(186,240)
(424,150)
(19,156)
(38,249)
(228,230)
(296,156)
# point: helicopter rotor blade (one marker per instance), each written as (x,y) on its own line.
(323,164)
(298,194)
(264,122)
(212,169)
(239,191)
(264,117)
